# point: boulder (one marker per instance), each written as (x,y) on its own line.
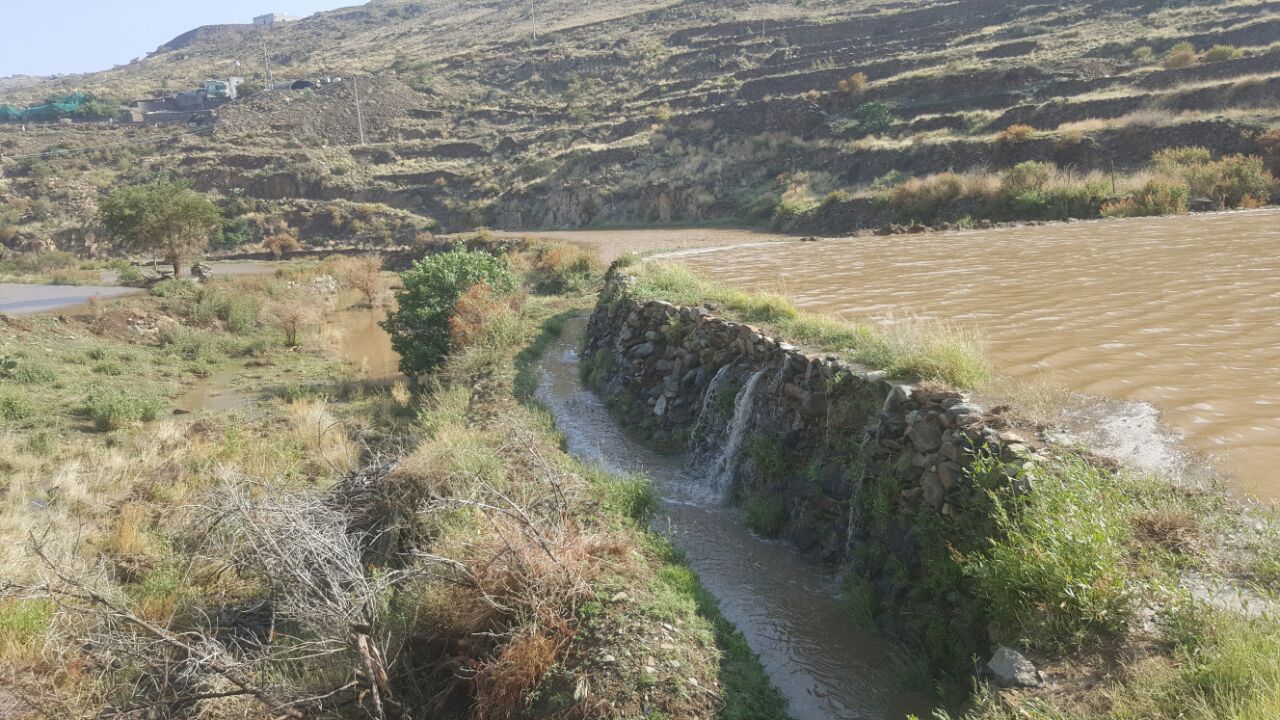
(1011,669)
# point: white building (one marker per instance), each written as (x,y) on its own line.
(272,18)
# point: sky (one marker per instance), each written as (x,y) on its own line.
(44,37)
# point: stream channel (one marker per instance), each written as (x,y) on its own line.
(788,608)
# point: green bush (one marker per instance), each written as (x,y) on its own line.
(113,408)
(867,119)
(1157,197)
(766,515)
(239,313)
(1056,573)
(108,368)
(419,325)
(33,373)
(1220,53)
(174,288)
(1026,176)
(15,406)
(1231,181)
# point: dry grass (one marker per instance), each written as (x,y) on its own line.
(315,429)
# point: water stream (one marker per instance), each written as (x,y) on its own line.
(787,608)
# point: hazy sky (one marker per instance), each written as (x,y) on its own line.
(43,37)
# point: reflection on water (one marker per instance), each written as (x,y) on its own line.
(787,608)
(1180,312)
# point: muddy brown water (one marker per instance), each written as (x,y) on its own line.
(1181,314)
(788,609)
(356,335)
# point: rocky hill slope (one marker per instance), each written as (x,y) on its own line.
(559,114)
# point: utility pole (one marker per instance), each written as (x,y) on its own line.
(266,61)
(355,87)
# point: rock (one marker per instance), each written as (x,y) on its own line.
(1011,669)
(949,473)
(959,410)
(925,436)
(933,490)
(660,407)
(643,350)
(608,659)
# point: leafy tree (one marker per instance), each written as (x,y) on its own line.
(162,216)
(419,326)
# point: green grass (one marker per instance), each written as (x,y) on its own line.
(908,350)
(23,623)
(1056,575)
(114,408)
(766,515)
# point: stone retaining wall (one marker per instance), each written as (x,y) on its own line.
(853,469)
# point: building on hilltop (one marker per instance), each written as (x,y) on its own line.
(273,18)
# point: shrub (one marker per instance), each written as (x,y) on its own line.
(766,515)
(471,313)
(1231,181)
(1027,176)
(855,84)
(1270,144)
(1015,134)
(419,326)
(172,288)
(364,275)
(15,406)
(294,314)
(1144,55)
(1181,55)
(192,345)
(561,268)
(1174,160)
(873,117)
(1157,197)
(33,373)
(113,408)
(1055,575)
(281,243)
(1221,53)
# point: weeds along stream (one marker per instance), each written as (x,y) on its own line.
(789,611)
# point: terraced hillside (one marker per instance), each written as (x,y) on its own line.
(523,115)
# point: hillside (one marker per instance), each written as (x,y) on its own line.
(523,115)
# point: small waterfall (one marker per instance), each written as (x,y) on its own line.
(722,473)
(713,389)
